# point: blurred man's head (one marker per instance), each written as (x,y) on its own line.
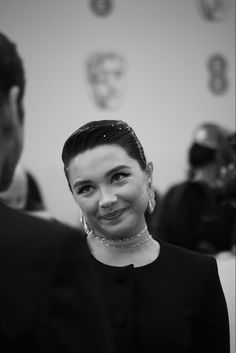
(210,145)
(12,87)
(209,152)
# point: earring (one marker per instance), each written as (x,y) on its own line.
(151,201)
(85,224)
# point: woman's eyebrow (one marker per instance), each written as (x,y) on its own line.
(81,183)
(116,169)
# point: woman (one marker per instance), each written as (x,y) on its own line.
(160,298)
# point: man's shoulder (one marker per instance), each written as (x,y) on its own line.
(20,228)
(11,217)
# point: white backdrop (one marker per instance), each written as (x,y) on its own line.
(166,43)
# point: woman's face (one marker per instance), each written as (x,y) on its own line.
(111,190)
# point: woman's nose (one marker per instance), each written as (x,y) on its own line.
(107,198)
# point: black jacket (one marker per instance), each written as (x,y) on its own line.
(49,298)
(173,305)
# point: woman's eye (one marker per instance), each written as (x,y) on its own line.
(119,176)
(86,189)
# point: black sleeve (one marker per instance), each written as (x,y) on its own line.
(211,333)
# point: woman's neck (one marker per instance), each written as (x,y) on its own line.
(138,250)
(124,242)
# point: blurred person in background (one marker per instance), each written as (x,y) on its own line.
(25,194)
(196,213)
(50,299)
(228,175)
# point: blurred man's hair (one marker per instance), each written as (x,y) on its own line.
(11,72)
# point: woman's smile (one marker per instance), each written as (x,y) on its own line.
(114,215)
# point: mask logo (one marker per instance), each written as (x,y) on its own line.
(101,7)
(214,10)
(106,79)
(217,66)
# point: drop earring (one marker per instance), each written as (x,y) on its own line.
(151,201)
(85,224)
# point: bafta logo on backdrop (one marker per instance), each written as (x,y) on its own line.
(101,7)
(214,10)
(218,81)
(106,76)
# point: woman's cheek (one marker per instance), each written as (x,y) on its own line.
(134,192)
(88,206)
(75,196)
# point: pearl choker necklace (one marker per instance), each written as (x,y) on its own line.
(119,243)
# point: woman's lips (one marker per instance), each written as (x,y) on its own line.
(114,214)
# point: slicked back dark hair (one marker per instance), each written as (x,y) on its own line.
(103,132)
(11,72)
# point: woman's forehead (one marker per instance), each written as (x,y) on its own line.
(101,159)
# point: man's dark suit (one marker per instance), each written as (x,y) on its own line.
(49,298)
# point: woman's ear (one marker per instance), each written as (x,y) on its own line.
(149,171)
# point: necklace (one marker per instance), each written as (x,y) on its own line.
(120,243)
(103,238)
(129,246)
